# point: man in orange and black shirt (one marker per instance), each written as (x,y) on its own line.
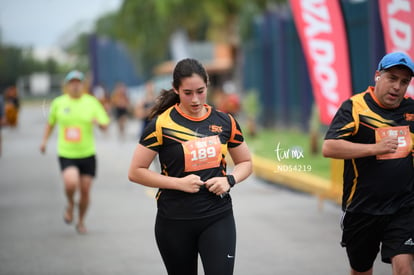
(373,132)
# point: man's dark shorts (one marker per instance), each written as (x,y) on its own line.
(86,166)
(363,234)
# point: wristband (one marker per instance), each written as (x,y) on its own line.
(231,180)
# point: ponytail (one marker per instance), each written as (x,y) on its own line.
(165,100)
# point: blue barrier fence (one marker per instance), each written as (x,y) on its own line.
(111,63)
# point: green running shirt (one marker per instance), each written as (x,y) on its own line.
(75,118)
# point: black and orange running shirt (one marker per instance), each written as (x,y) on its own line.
(377,185)
(188,145)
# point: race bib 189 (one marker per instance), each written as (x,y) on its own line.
(202,153)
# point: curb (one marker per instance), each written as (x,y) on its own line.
(302,181)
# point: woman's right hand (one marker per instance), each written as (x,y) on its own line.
(190,184)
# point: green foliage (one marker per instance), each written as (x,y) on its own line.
(106,25)
(15,62)
(80,49)
(146,26)
(10,58)
(251,104)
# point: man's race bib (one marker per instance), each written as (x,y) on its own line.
(202,153)
(404,141)
(73,134)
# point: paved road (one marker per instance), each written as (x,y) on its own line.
(279,231)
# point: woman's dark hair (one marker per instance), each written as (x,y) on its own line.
(167,98)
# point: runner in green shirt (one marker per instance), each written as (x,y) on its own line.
(76,113)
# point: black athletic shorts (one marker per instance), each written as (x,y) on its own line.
(120,112)
(86,166)
(364,234)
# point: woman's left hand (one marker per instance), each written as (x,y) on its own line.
(218,185)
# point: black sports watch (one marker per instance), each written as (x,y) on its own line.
(231,180)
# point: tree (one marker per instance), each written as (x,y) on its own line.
(10,63)
(16,62)
(146,26)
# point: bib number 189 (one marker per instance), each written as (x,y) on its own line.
(202,153)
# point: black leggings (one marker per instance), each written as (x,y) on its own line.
(180,242)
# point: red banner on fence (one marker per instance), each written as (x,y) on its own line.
(322,33)
(397,18)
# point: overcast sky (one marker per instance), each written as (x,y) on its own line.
(45,23)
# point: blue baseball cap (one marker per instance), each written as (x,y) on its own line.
(74,75)
(395,59)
